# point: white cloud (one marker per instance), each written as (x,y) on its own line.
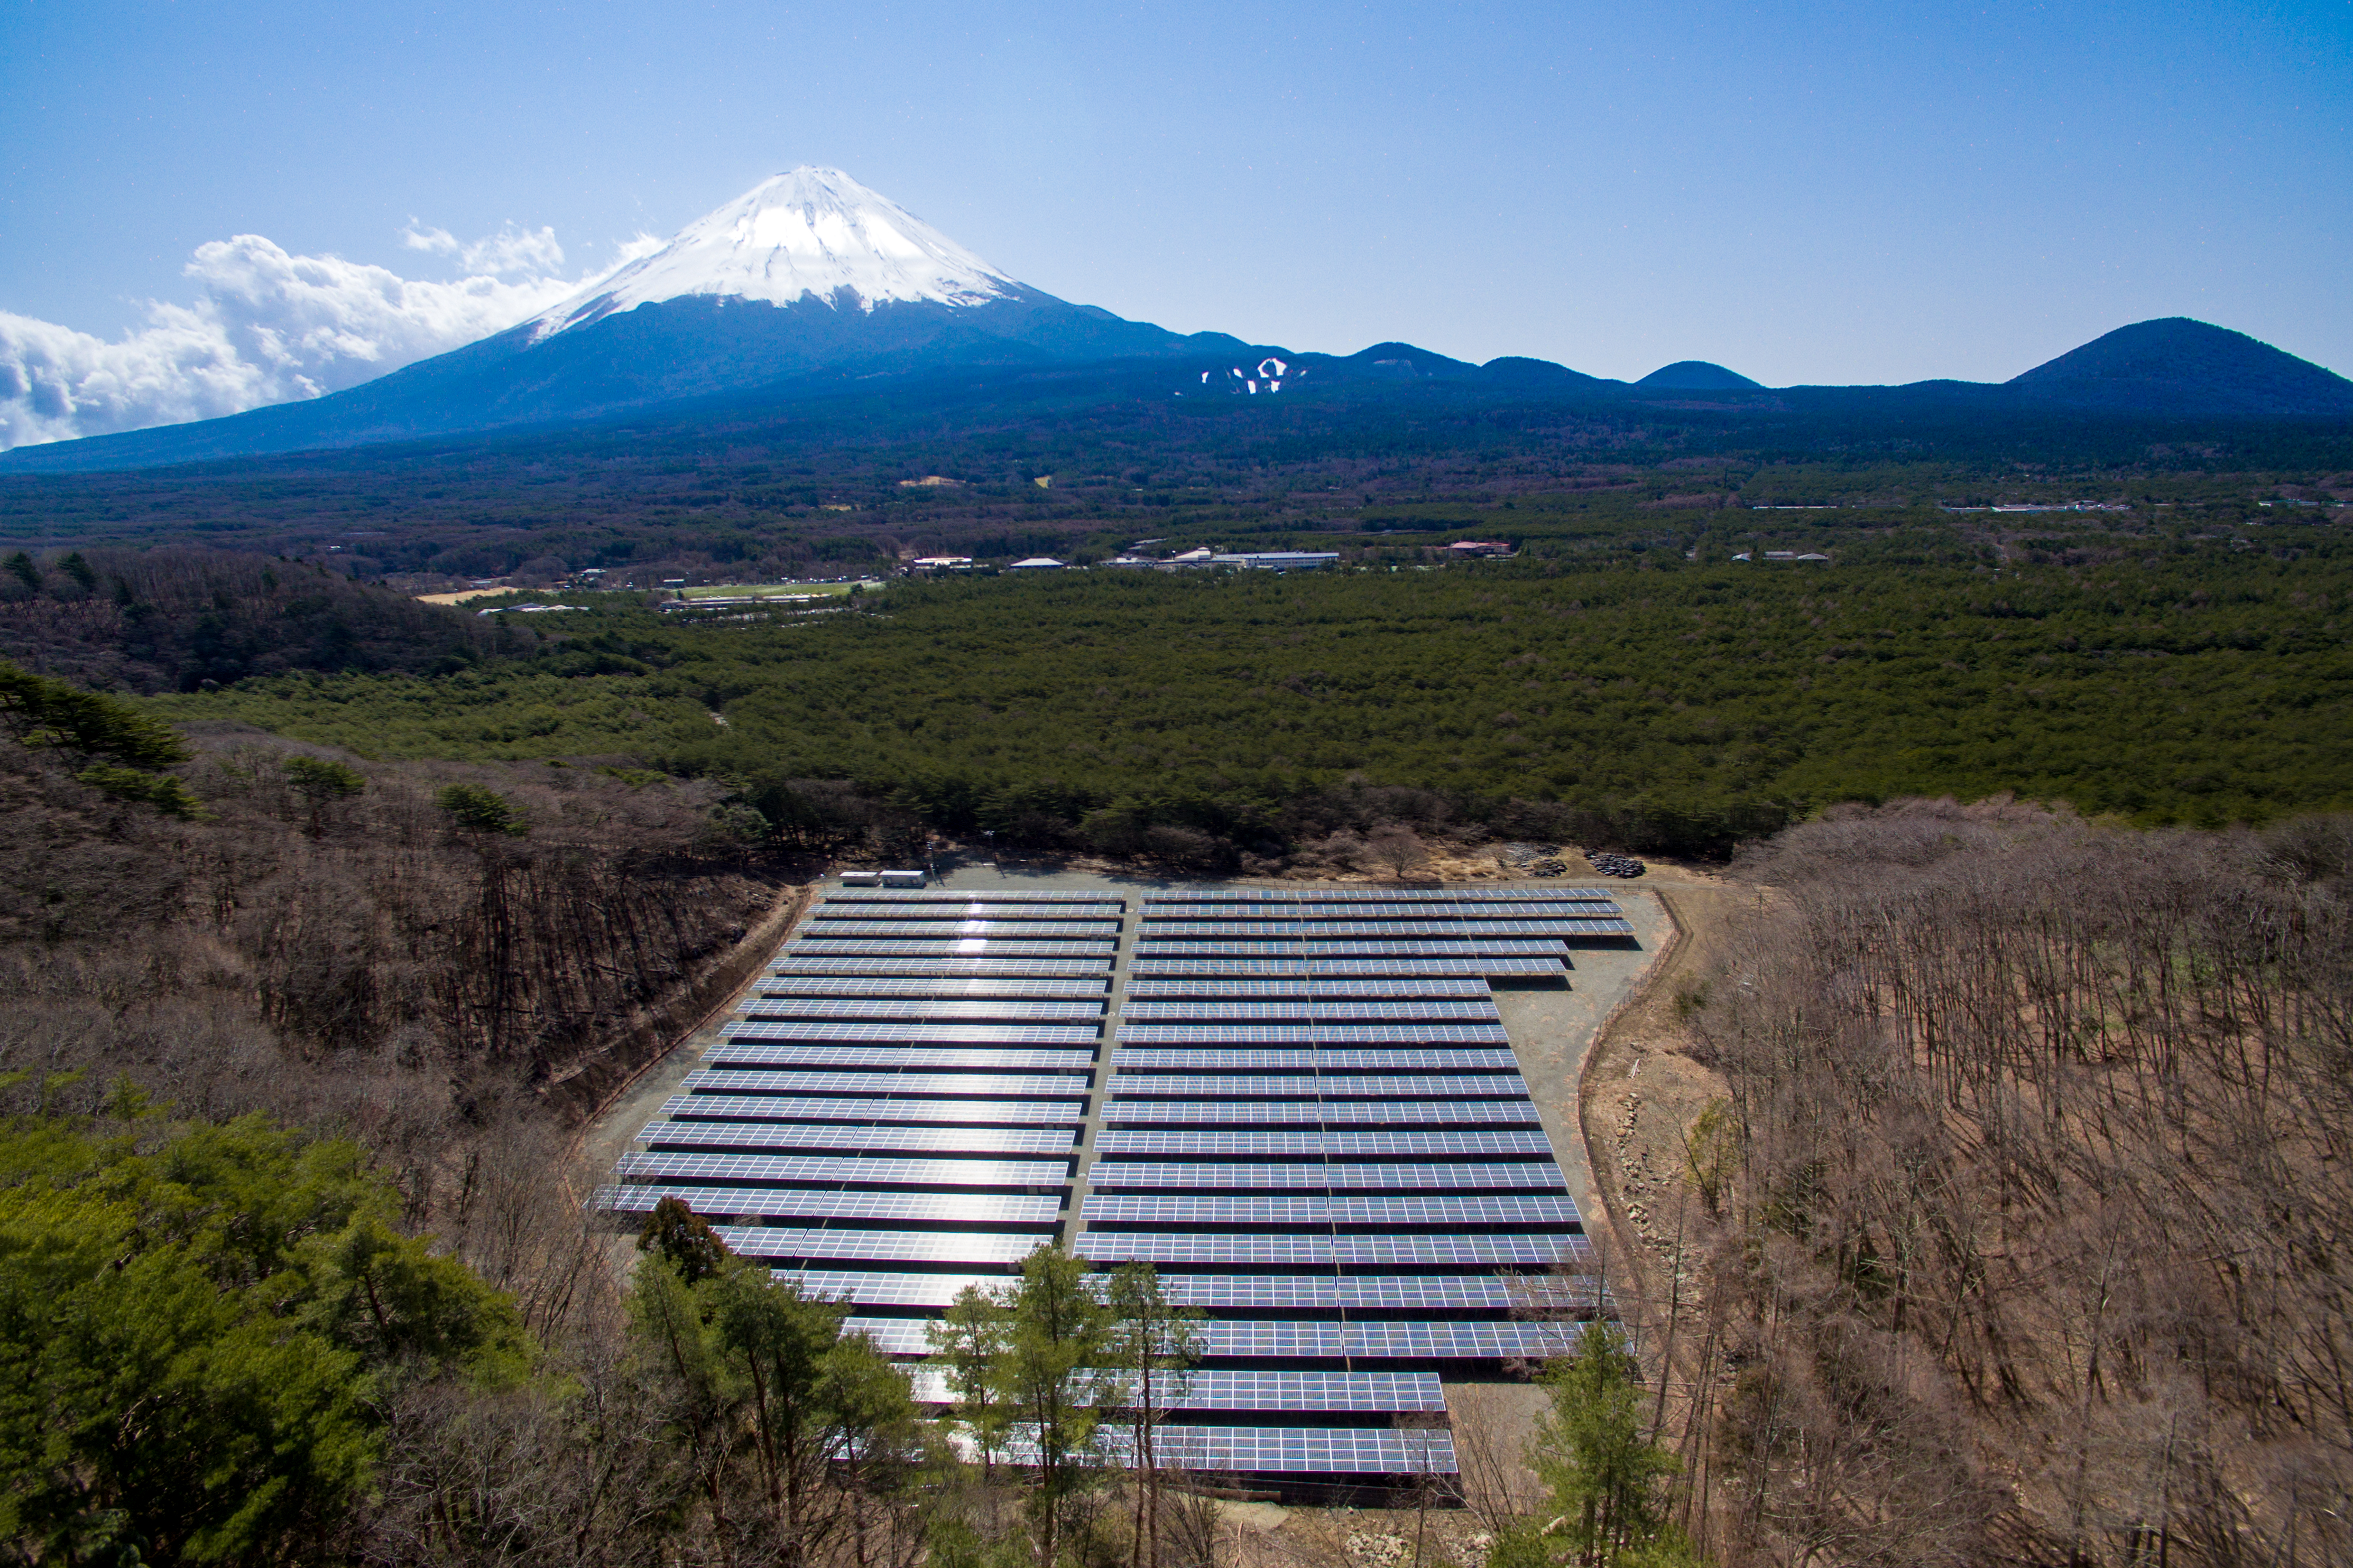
(268,327)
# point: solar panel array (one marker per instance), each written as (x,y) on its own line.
(1315,1129)
(897,1108)
(1310,1120)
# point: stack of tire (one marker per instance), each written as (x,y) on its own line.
(1611,865)
(1549,868)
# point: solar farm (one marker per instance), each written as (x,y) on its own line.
(1302,1106)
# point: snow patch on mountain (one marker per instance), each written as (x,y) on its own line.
(810,233)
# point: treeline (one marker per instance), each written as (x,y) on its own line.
(2024,1222)
(185,619)
(1671,706)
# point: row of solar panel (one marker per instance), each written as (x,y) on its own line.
(942,896)
(1536,1175)
(1128,1086)
(970,909)
(1398,967)
(918,1034)
(1131,1208)
(1171,1251)
(1313,1112)
(1433,988)
(1107,1208)
(1140,1010)
(1275,1142)
(1309,1339)
(800,966)
(860,1139)
(1269,1450)
(954,1058)
(1399,947)
(1169,910)
(946,989)
(1234,1388)
(853,1170)
(788,1080)
(941,931)
(949,947)
(1151,1058)
(1213,893)
(941,1113)
(893,1007)
(1559,925)
(1531,1293)
(1302,1035)
(750,1202)
(712,1104)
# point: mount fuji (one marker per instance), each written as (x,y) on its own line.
(811,284)
(804,282)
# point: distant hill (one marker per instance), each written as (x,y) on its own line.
(2176,365)
(1695,375)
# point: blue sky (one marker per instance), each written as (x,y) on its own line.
(1805,192)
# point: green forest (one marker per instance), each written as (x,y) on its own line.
(1691,701)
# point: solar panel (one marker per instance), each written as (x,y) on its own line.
(1283,1450)
(1189,1176)
(893,1336)
(1321,969)
(929,930)
(805,966)
(1296,1035)
(1304,1009)
(1209,894)
(804,1108)
(1252,1388)
(1216,1144)
(720,1081)
(1122,1208)
(1190,933)
(763,1135)
(1155,947)
(1400,989)
(1151,965)
(1484,947)
(737,1203)
(882,1008)
(1367,1293)
(873,1288)
(1463,1342)
(1090,989)
(976,909)
(1125,1085)
(857,1169)
(1392,1112)
(949,1057)
(1155,1059)
(971,947)
(959,1246)
(1179,1250)
(945,896)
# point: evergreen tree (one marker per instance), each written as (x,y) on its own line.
(1059,1331)
(1606,1476)
(968,1343)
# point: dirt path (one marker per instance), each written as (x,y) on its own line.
(1639,1093)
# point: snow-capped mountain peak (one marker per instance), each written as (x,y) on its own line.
(811,232)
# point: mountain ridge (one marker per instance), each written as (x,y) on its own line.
(811,280)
